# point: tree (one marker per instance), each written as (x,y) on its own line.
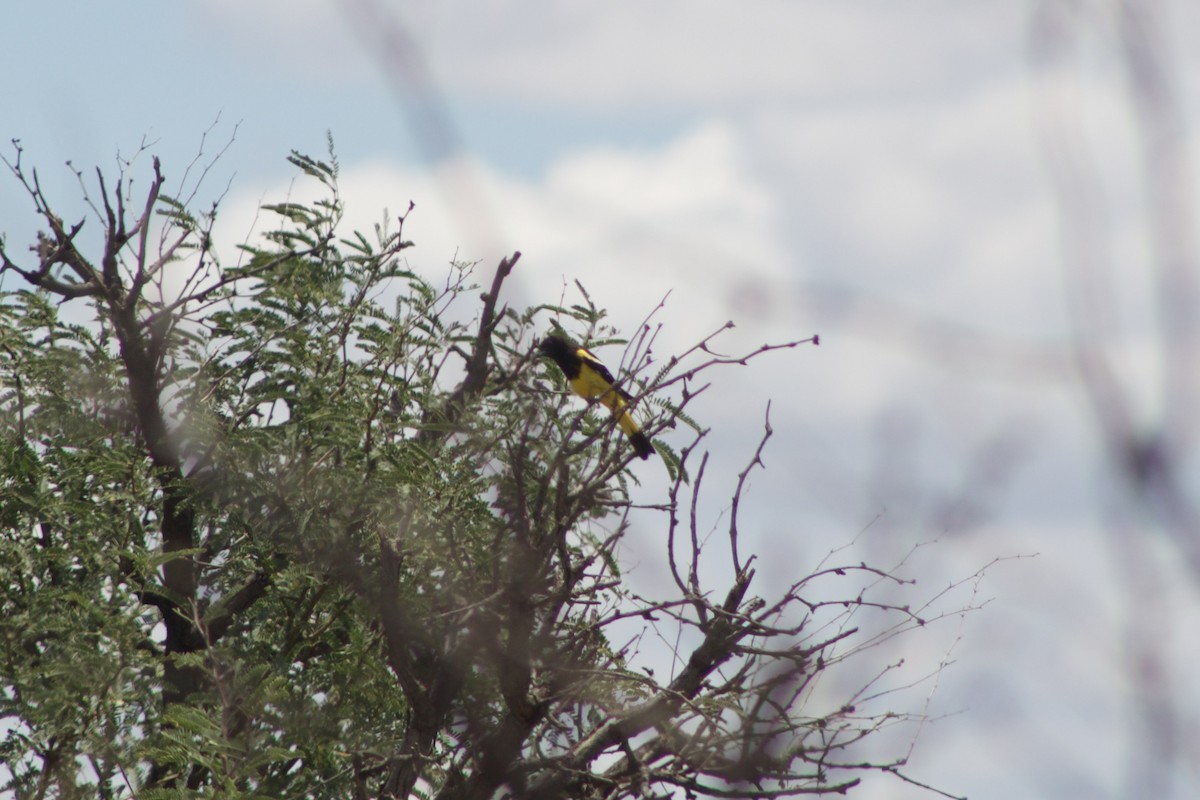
(303,526)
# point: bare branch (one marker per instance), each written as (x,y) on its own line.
(741,485)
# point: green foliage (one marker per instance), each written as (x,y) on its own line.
(315,525)
(310,392)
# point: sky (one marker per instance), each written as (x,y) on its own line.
(880,173)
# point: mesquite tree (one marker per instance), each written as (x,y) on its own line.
(314,524)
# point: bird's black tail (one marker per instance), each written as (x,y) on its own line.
(641,445)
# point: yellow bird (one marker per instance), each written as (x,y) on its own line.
(589,378)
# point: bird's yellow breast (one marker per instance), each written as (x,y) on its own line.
(590,385)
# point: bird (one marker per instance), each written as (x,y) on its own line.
(590,379)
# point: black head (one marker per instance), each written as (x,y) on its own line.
(555,347)
(562,353)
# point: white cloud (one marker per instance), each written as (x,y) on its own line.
(939,204)
(631,226)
